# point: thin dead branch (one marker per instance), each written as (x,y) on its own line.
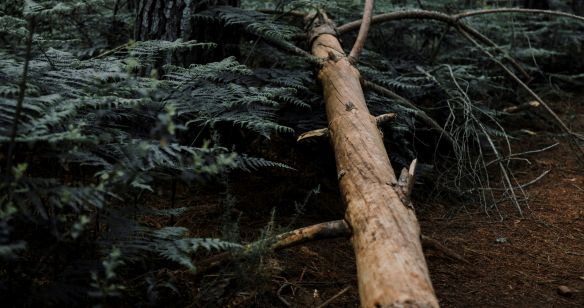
(450,19)
(473,35)
(363,31)
(330,300)
(325,230)
(522,107)
(429,242)
(523,153)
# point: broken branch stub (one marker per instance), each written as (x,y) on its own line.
(391,268)
(381,121)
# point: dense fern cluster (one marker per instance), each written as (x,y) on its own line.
(93,131)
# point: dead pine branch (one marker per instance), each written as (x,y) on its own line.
(325,230)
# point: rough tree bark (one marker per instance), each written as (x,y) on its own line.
(173,19)
(391,268)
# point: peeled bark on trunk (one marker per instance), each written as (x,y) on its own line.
(391,268)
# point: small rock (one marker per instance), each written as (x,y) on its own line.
(501,240)
(565,291)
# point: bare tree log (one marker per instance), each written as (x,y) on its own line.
(391,267)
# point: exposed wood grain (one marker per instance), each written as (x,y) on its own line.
(391,268)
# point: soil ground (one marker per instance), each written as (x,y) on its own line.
(514,260)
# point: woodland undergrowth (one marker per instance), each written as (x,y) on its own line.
(92,127)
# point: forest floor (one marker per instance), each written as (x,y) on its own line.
(517,261)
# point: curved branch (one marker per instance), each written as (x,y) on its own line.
(414,14)
(450,19)
(363,31)
(472,35)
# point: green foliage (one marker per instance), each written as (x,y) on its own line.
(107,124)
(94,131)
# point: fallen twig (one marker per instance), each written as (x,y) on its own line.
(524,106)
(523,153)
(331,229)
(325,230)
(114,50)
(279,294)
(430,242)
(330,300)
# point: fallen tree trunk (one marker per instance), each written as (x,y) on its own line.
(391,267)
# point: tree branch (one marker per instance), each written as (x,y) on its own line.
(363,31)
(471,35)
(414,14)
(450,19)
(325,230)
